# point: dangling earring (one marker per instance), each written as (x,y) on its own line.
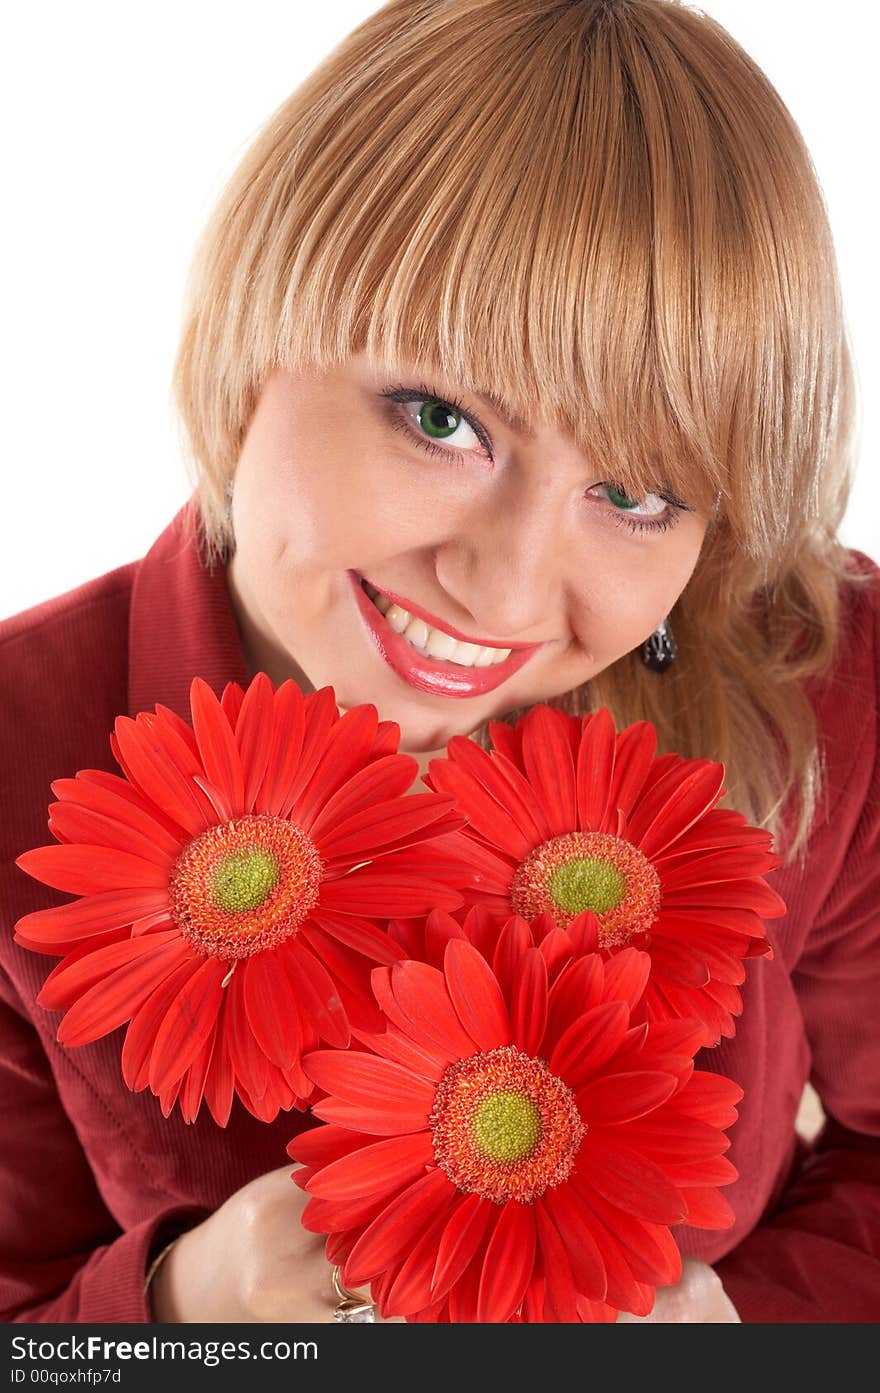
(660,650)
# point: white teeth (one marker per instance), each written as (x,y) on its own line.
(434,642)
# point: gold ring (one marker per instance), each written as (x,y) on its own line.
(351,1308)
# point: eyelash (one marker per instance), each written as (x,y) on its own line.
(406,395)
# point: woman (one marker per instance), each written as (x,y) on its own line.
(549,361)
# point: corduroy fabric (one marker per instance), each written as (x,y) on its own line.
(93,1179)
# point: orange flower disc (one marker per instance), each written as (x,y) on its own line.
(244,886)
(504,1127)
(589,870)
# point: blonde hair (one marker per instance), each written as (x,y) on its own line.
(607,202)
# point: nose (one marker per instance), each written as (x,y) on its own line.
(506,567)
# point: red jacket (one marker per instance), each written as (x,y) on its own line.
(93,1179)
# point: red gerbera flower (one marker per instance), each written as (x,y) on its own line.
(230,882)
(510,1149)
(566,816)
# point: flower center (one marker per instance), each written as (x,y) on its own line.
(244,886)
(244,879)
(507,1126)
(589,870)
(504,1127)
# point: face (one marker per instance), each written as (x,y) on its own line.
(493,532)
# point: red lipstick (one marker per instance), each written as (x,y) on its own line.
(435,675)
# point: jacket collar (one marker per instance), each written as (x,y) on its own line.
(181,622)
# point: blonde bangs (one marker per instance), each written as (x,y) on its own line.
(601,215)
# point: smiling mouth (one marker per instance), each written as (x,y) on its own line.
(432,641)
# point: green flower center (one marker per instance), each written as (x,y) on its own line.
(507,1126)
(589,872)
(587,883)
(244,880)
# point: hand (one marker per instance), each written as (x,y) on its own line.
(251,1260)
(699,1297)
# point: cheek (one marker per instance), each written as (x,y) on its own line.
(629,594)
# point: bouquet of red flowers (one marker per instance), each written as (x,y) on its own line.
(492,993)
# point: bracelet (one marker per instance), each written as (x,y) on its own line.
(157,1261)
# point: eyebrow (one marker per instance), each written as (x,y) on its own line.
(514,422)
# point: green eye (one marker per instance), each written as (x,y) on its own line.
(620,499)
(438,420)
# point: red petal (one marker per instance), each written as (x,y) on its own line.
(320,1145)
(249,1063)
(484,796)
(382,779)
(717,1170)
(370,829)
(695,793)
(359,934)
(753,895)
(463,1297)
(384,891)
(86,870)
(328,1216)
(573,1222)
(316,993)
(624,1097)
(707,1209)
(679,961)
(508,1264)
(366,1080)
(285,749)
(141,1034)
(631,1182)
(633,760)
(396,1229)
(514,941)
(380,981)
(351,973)
(253,734)
(220,1083)
(528,1007)
(192,1088)
(649,1250)
(557,949)
(622,1289)
(411,1288)
(154,773)
(118,800)
(579,987)
(668,1139)
(217,747)
(374,1169)
(94,914)
(626,976)
(379,1121)
(76,822)
(597,754)
(390,1044)
(420,991)
(711,1097)
(546,754)
(188,1021)
(345,749)
(560,1299)
(462,1236)
(589,1042)
(476,995)
(114,998)
(90,966)
(271,1008)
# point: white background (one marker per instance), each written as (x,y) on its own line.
(121,125)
